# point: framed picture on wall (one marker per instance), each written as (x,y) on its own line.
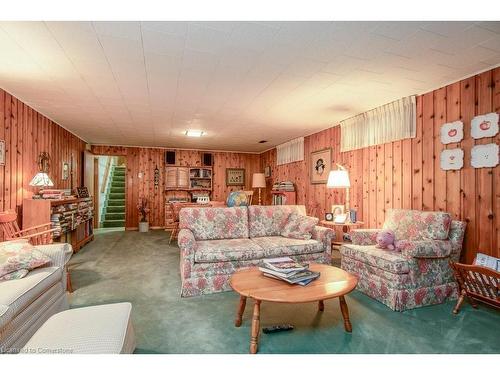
(235,176)
(267,171)
(321,164)
(65,171)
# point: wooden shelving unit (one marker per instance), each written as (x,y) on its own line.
(284,197)
(182,184)
(73,217)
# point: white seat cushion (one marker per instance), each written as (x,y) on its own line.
(16,295)
(104,329)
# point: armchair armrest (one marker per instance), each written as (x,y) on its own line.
(325,236)
(187,244)
(424,248)
(60,253)
(364,237)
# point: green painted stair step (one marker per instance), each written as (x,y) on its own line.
(113,223)
(115,209)
(116,190)
(114,216)
(116,196)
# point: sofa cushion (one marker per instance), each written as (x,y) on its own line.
(227,250)
(19,255)
(244,249)
(390,261)
(277,246)
(269,220)
(18,294)
(416,225)
(212,223)
(299,226)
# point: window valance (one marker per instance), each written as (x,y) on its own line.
(388,123)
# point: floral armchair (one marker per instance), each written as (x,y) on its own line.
(418,272)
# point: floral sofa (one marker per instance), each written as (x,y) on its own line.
(215,242)
(418,272)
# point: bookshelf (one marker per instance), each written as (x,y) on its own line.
(73,218)
(284,197)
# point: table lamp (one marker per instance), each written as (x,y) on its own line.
(259,182)
(339,178)
(42,179)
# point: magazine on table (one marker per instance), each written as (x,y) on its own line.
(285,265)
(301,278)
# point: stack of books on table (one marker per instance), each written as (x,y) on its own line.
(288,270)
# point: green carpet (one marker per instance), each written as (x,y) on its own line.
(114,205)
(143,269)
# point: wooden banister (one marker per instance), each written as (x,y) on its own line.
(106,174)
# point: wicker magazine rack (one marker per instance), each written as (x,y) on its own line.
(477,283)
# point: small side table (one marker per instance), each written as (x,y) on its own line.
(342,228)
(339,229)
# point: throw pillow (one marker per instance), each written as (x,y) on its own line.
(14,275)
(299,226)
(19,255)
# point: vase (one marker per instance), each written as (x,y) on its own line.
(143,226)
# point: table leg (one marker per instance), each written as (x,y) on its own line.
(241,310)
(345,314)
(254,340)
(321,306)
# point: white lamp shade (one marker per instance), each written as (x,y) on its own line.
(338,179)
(41,179)
(258,180)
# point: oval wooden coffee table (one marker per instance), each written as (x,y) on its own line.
(332,283)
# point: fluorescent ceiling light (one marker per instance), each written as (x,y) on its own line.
(194,133)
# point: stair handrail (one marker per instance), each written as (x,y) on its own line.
(104,182)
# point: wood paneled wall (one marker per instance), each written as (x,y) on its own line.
(27,133)
(406,174)
(146,159)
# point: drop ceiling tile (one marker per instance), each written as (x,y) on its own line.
(119,29)
(163,44)
(172,27)
(118,50)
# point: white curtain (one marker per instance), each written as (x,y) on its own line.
(290,151)
(388,123)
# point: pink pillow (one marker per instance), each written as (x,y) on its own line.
(19,255)
(299,226)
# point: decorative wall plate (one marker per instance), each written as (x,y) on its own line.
(452,159)
(484,126)
(484,156)
(452,132)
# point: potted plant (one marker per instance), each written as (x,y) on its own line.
(142,206)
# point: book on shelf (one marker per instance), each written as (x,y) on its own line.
(284,264)
(487,261)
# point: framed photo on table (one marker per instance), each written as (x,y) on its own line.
(321,164)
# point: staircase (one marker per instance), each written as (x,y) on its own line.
(114,206)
